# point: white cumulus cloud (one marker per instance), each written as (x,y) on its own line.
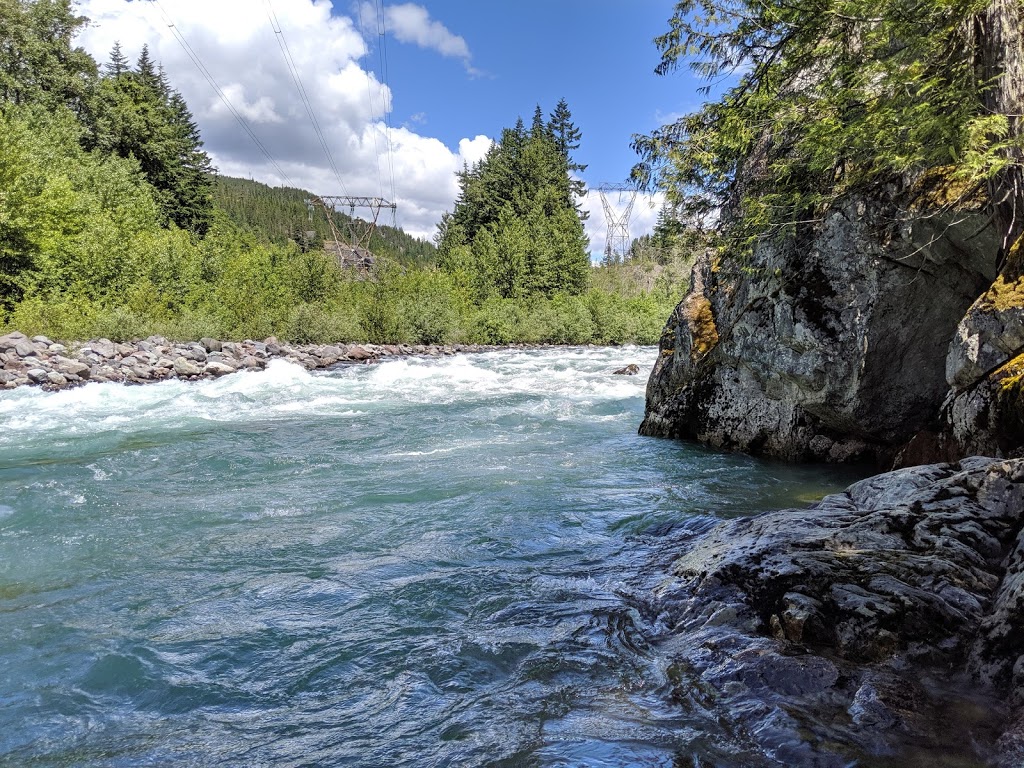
(236,43)
(411,23)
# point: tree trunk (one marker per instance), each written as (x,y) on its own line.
(1001,60)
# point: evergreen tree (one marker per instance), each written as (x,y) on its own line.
(118,63)
(537,127)
(514,221)
(567,138)
(839,95)
(139,115)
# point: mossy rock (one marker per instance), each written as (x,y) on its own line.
(1004,295)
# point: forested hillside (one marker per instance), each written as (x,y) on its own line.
(281,214)
(113,223)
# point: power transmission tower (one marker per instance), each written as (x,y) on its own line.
(616,215)
(353,249)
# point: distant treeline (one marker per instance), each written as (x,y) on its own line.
(113,223)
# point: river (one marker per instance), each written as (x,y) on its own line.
(424,562)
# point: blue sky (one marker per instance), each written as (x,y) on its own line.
(597,54)
(457,73)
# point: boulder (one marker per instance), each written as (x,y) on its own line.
(357,352)
(218,368)
(9,341)
(630,370)
(887,606)
(828,346)
(184,367)
(25,349)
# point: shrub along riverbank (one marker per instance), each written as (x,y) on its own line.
(228,287)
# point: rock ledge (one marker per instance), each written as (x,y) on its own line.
(855,627)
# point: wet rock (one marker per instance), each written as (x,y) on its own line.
(884,606)
(253,363)
(357,352)
(37,375)
(56,379)
(630,370)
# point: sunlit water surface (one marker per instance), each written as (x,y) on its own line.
(417,563)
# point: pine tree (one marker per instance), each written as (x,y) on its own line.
(514,221)
(118,63)
(139,115)
(567,138)
(537,127)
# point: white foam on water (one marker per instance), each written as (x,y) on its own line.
(561,382)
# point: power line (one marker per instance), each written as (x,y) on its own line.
(369,97)
(382,52)
(198,62)
(293,70)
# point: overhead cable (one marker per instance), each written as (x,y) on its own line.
(293,70)
(198,62)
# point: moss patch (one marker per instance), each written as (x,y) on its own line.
(1003,294)
(701,322)
(1008,406)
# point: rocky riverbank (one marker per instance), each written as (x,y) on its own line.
(883,623)
(39,361)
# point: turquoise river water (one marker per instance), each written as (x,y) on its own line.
(415,563)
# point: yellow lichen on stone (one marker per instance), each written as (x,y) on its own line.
(701,322)
(942,187)
(1003,294)
(1010,376)
(1007,413)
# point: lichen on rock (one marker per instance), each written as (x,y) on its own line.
(830,345)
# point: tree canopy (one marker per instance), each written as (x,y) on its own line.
(516,229)
(835,95)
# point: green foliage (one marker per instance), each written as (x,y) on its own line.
(70,220)
(515,225)
(280,215)
(836,95)
(38,64)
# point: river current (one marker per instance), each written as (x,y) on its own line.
(416,563)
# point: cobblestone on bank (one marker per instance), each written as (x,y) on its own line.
(38,361)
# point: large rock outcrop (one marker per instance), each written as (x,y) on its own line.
(829,346)
(885,619)
(984,412)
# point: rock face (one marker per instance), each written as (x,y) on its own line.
(856,626)
(984,412)
(830,346)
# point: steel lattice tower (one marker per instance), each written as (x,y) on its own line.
(616,215)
